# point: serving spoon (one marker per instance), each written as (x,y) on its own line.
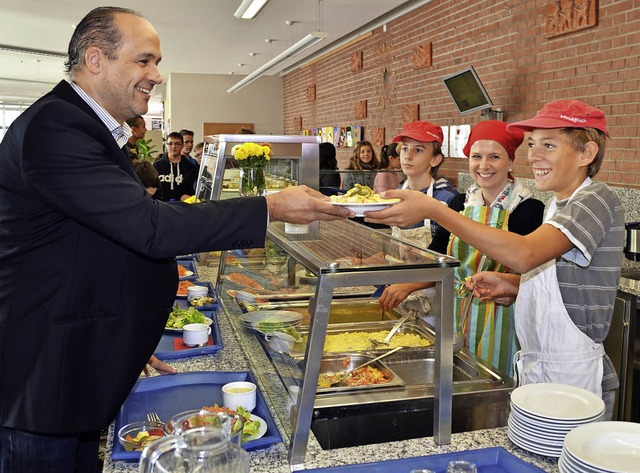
(385,341)
(342,375)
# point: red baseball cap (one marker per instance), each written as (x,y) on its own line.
(495,130)
(420,131)
(564,114)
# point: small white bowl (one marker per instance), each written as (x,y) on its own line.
(239,393)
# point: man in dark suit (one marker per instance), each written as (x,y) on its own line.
(87,269)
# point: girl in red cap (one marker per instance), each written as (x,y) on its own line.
(570,265)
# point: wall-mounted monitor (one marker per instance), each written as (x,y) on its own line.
(467,91)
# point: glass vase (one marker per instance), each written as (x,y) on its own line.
(252,181)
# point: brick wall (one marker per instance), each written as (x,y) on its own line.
(521,70)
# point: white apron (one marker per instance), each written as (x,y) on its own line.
(424,301)
(553,349)
(420,236)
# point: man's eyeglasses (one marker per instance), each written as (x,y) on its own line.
(174,144)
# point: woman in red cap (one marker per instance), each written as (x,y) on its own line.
(570,265)
(500,201)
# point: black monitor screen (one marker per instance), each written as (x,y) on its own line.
(467,91)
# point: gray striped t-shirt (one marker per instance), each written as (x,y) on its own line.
(588,274)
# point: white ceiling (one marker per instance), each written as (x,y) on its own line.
(197,36)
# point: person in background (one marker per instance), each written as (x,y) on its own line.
(329,175)
(187,137)
(177,175)
(78,225)
(197,152)
(138,132)
(148,174)
(363,159)
(570,265)
(420,146)
(389,161)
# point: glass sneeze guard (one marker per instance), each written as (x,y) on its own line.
(345,253)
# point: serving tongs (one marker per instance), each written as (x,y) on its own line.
(342,375)
(385,341)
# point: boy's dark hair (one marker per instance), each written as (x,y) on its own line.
(579,137)
(176,135)
(147,173)
(134,121)
(184,131)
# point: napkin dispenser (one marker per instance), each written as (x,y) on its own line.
(632,248)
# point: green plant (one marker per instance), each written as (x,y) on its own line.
(145,149)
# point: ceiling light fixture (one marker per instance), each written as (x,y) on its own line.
(248,9)
(310,40)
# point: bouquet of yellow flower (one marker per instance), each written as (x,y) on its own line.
(252,159)
(252,154)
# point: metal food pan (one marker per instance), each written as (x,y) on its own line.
(336,362)
(416,327)
(346,311)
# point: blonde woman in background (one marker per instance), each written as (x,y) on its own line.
(364,158)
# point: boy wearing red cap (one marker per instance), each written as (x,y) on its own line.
(420,148)
(570,265)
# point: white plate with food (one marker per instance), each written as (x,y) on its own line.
(207,321)
(261,430)
(361,207)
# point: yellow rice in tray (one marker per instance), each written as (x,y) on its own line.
(358,341)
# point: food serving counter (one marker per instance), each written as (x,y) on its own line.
(243,351)
(426,381)
(345,253)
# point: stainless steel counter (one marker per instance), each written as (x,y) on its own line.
(242,351)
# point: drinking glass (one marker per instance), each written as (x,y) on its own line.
(461,466)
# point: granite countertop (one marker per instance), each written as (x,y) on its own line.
(628,285)
(242,352)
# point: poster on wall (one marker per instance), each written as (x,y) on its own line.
(328,134)
(458,137)
(445,142)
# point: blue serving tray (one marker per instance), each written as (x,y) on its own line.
(488,460)
(181,301)
(191,256)
(165,351)
(169,395)
(190,266)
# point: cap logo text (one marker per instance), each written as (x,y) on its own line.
(574,119)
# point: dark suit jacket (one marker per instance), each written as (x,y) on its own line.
(87,276)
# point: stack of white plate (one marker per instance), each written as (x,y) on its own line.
(607,447)
(543,414)
(276,318)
